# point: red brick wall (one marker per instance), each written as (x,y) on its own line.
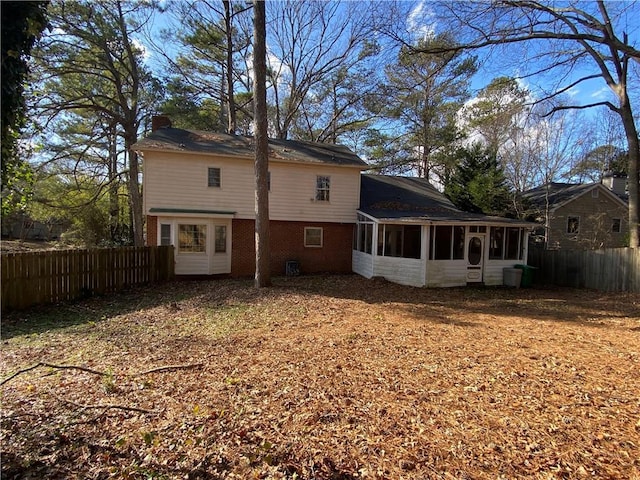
(287,243)
(152,231)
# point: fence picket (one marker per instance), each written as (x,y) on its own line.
(31,278)
(612,269)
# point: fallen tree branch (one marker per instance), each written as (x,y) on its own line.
(51,365)
(96,372)
(168,368)
(106,407)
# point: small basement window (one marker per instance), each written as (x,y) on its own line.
(312,236)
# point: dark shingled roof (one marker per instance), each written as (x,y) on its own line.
(559,193)
(176,139)
(414,200)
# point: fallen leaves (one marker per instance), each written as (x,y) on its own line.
(329,377)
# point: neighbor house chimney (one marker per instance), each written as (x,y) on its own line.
(616,182)
(160,121)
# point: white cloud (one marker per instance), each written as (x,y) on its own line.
(138,45)
(601,93)
(420,22)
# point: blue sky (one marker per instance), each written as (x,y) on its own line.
(501,63)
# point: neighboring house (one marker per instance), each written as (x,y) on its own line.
(409,233)
(19,225)
(199,196)
(580,216)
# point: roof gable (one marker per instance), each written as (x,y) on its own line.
(560,194)
(213,143)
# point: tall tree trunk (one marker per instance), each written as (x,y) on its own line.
(633,178)
(263,256)
(135,195)
(231,104)
(114,207)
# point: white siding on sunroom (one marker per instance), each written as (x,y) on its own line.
(362,263)
(405,271)
(179,180)
(446,273)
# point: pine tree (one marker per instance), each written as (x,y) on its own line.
(478,184)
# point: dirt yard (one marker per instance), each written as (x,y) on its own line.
(324,378)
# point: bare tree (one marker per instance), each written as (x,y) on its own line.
(563,38)
(263,257)
(310,42)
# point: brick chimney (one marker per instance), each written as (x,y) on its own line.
(616,182)
(160,121)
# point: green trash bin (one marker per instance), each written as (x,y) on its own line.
(527,275)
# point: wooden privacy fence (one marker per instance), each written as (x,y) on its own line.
(32,278)
(611,270)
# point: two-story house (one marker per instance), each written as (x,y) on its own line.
(199,196)
(581,216)
(325,215)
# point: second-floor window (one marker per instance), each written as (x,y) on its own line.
(213,177)
(323,184)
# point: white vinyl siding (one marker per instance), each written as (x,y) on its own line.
(175,180)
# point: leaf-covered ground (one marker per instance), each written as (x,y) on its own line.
(325,378)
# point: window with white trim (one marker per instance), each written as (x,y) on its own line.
(446,242)
(214,178)
(165,234)
(506,243)
(363,235)
(399,240)
(313,236)
(323,184)
(192,238)
(221,239)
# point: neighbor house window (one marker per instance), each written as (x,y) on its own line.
(214,177)
(399,240)
(322,188)
(573,224)
(221,239)
(616,225)
(312,236)
(447,243)
(192,238)
(165,234)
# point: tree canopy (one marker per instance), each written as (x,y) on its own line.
(22,24)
